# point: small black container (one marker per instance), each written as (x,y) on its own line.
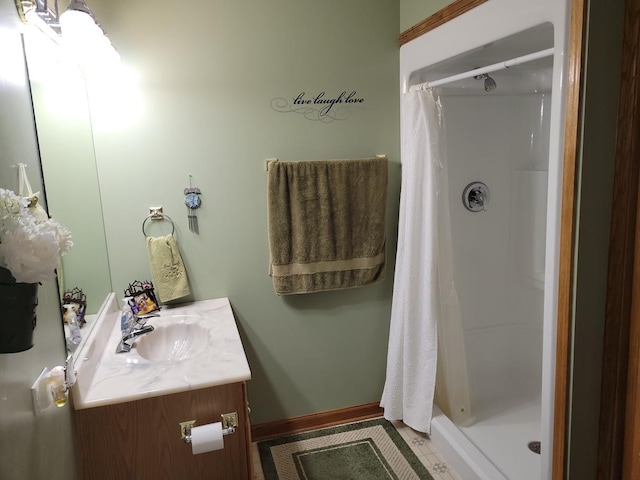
(18,302)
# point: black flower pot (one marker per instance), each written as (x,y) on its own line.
(18,303)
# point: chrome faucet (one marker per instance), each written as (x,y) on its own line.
(127,339)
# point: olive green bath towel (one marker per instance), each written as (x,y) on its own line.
(326,222)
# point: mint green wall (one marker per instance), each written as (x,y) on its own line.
(414,11)
(201,105)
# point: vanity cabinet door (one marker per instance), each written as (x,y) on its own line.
(140,440)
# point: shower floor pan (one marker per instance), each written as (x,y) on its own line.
(495,447)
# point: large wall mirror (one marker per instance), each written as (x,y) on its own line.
(65,139)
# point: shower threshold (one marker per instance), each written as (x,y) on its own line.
(495,447)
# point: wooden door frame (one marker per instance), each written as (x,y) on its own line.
(568,222)
(619,445)
(620,387)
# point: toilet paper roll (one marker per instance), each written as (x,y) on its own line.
(206,438)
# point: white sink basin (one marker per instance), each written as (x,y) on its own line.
(194,345)
(173,340)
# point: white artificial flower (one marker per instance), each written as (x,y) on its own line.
(29,248)
(11,206)
(64,239)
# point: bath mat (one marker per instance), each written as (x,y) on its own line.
(369,450)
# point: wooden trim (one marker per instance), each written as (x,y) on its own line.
(443,15)
(280,428)
(629,442)
(620,347)
(573,121)
(627,436)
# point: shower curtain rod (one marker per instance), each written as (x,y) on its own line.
(488,69)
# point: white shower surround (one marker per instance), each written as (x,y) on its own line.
(501,140)
(490,22)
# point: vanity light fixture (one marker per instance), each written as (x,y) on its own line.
(43,14)
(45,9)
(76,29)
(78,19)
(84,38)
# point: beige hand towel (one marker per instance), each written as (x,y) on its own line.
(326,224)
(167,270)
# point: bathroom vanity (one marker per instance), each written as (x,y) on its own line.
(128,407)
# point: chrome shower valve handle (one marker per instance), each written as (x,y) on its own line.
(475,197)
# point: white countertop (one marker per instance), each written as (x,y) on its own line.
(106,378)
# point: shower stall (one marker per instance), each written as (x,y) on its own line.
(503,145)
(500,140)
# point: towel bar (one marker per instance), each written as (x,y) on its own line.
(269,161)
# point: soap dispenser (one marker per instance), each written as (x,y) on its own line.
(59,388)
(52,386)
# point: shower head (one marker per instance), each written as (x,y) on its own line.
(489,83)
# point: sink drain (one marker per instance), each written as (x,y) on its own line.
(534,447)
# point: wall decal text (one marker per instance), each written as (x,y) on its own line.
(320,106)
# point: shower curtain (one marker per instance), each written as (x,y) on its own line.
(426,329)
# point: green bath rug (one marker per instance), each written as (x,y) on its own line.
(369,450)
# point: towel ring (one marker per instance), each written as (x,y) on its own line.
(162,216)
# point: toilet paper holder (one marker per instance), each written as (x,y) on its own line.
(229,425)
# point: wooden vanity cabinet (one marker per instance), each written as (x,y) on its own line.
(140,440)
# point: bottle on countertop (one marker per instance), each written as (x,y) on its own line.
(72,327)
